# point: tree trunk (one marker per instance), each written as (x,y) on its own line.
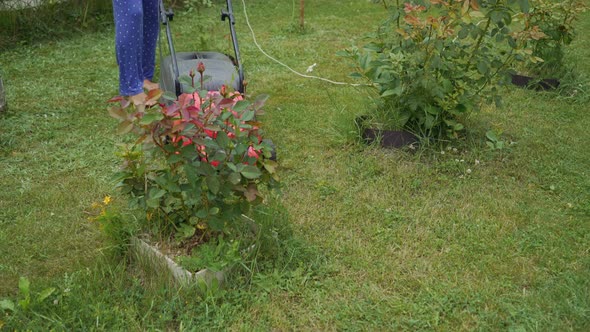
(302,14)
(2,97)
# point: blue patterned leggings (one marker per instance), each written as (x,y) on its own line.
(136,34)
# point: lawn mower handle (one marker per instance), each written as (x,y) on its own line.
(229,14)
(166,16)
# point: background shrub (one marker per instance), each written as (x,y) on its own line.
(26,21)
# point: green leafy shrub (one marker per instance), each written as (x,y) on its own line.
(47,19)
(433,62)
(555,21)
(196,165)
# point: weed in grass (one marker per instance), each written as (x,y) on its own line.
(216,256)
(574,88)
(296,28)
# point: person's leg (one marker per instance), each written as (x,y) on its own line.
(128,44)
(151,29)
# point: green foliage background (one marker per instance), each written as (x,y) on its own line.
(50,19)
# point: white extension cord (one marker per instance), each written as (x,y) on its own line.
(286,66)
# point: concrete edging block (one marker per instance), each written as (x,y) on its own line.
(157,260)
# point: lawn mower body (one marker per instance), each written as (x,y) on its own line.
(220,69)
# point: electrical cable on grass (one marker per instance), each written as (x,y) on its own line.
(284,65)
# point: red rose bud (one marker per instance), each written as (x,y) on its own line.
(252,153)
(186,142)
(211,133)
(223,90)
(201,67)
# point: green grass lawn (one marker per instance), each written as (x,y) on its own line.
(446,238)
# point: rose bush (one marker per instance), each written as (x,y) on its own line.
(433,62)
(196,164)
(555,20)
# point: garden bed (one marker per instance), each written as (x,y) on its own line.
(165,256)
(152,258)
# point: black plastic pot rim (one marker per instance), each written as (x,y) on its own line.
(390,138)
(535,83)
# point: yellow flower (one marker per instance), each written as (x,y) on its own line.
(106,200)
